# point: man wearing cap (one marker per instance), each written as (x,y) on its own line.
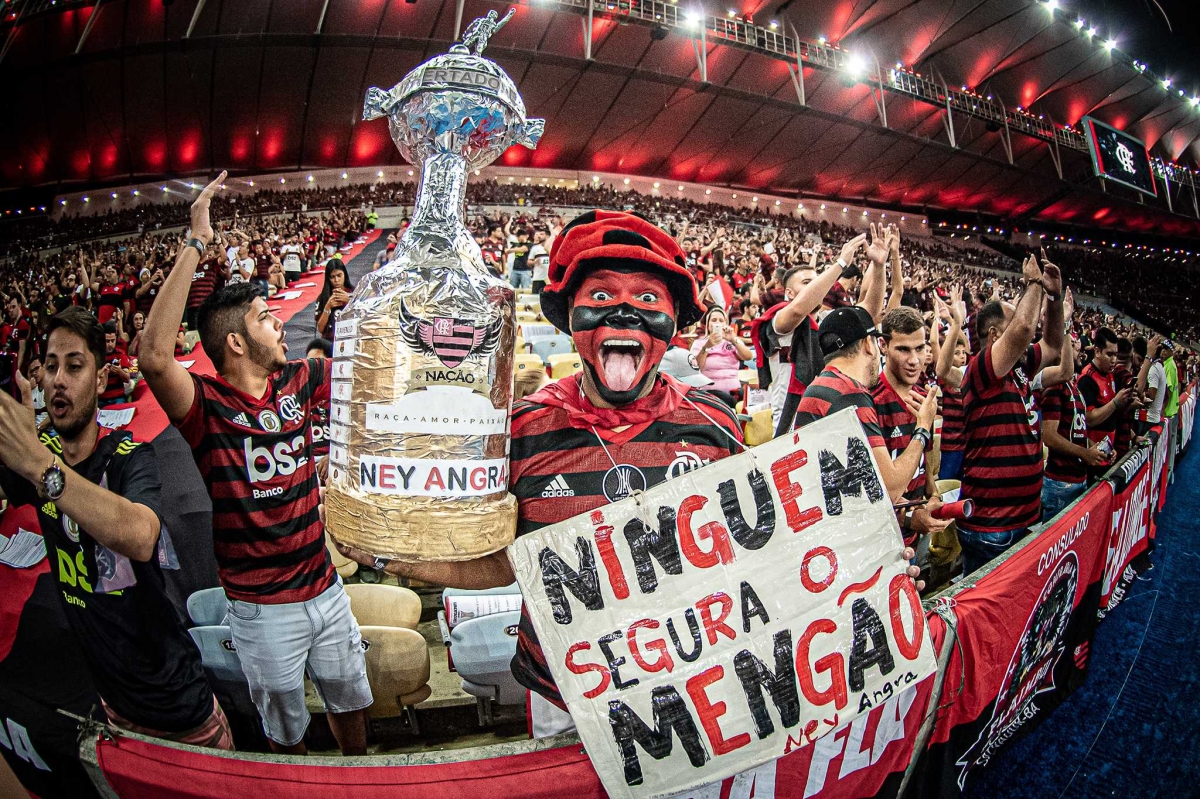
(621,287)
(849,341)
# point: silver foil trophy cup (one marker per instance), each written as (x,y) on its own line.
(422,375)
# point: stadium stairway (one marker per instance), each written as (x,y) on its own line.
(1131,729)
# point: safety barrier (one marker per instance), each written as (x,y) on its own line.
(1013,641)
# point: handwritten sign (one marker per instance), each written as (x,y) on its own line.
(728,616)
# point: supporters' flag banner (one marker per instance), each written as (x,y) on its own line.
(1187,418)
(721,619)
(721,292)
(1129,538)
(1024,636)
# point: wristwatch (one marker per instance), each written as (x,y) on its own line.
(923,434)
(380,564)
(53,482)
(199,245)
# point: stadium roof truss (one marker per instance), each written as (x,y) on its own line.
(968,105)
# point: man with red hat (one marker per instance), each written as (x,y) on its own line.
(621,287)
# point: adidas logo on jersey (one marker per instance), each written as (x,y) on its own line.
(558,488)
(897,433)
(242,419)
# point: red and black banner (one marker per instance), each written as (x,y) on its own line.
(1024,636)
(1136,483)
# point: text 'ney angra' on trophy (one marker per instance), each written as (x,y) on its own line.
(423,353)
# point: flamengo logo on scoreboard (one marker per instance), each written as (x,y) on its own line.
(432,478)
(1125,156)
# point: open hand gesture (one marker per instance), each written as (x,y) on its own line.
(201,225)
(879,247)
(851,247)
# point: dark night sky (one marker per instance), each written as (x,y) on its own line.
(1142,31)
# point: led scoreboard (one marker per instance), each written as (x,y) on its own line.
(1118,156)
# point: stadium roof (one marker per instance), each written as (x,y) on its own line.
(142,88)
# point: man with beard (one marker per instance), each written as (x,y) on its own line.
(849,340)
(620,286)
(97,494)
(250,431)
(898,397)
(1002,467)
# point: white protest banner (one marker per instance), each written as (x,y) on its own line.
(727,616)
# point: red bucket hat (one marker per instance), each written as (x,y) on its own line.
(616,240)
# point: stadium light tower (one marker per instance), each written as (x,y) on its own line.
(1051,5)
(693,17)
(1109,44)
(855,65)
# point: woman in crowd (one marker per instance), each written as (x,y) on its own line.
(139,322)
(334,297)
(719,353)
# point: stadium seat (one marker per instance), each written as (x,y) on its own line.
(384,605)
(208,606)
(565,363)
(397,668)
(524,360)
(481,650)
(760,429)
(527,316)
(223,667)
(345,567)
(555,345)
(519,344)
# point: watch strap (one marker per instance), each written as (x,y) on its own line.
(199,245)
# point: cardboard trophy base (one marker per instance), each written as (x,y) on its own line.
(414,529)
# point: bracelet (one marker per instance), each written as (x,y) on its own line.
(199,245)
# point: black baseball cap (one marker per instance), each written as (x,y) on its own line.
(841,327)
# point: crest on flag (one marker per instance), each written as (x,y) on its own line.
(451,339)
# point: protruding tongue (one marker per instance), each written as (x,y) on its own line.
(620,370)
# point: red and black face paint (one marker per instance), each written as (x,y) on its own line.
(622,322)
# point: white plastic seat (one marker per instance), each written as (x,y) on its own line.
(208,606)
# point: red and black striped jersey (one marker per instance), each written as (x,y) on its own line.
(954,418)
(109,300)
(897,424)
(205,280)
(1002,462)
(1064,404)
(831,392)
(559,471)
(256,456)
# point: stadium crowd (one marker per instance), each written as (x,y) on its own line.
(1036,396)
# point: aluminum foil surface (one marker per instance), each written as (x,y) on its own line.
(423,353)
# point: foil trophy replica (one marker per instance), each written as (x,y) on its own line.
(423,353)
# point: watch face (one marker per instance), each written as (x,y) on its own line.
(54,482)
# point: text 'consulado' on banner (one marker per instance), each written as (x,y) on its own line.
(720,619)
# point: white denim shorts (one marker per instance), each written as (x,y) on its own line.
(278,643)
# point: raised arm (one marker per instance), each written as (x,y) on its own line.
(170,383)
(809,299)
(1010,348)
(1053,330)
(897,294)
(945,360)
(1064,371)
(884,241)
